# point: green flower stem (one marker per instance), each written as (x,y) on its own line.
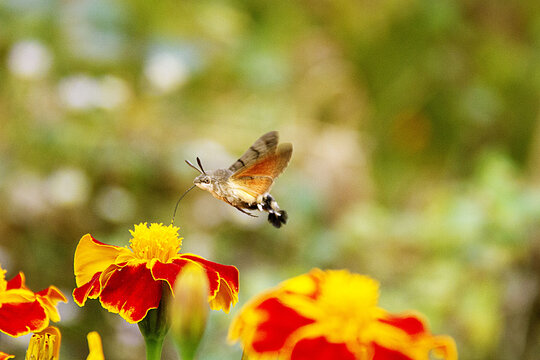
(153,348)
(188,352)
(154,327)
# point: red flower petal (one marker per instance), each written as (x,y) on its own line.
(412,325)
(22,318)
(221,295)
(382,353)
(282,321)
(49,298)
(52,294)
(169,271)
(227,272)
(131,291)
(320,349)
(4,356)
(89,290)
(17,282)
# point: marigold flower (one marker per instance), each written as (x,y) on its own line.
(23,311)
(130,281)
(4,356)
(332,315)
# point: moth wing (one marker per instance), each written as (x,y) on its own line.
(262,147)
(252,186)
(271,165)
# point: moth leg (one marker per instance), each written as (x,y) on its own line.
(245,212)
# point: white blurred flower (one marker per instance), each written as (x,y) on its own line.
(79,92)
(82,92)
(115,204)
(166,71)
(93,30)
(26,196)
(68,187)
(29,59)
(114,92)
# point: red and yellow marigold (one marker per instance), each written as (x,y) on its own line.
(4,356)
(22,311)
(130,281)
(326,315)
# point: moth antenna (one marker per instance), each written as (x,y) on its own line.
(178,202)
(193,166)
(200,165)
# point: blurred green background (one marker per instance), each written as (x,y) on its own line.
(416,161)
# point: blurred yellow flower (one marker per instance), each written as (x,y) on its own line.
(333,314)
(189,310)
(95,346)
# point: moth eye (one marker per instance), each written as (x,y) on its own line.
(206,181)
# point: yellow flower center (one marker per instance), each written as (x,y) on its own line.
(155,242)
(44,345)
(348,305)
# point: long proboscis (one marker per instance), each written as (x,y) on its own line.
(178,202)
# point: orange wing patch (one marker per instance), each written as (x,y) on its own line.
(271,165)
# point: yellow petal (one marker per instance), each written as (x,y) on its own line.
(15,296)
(95,346)
(224,298)
(92,256)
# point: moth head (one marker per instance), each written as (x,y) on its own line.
(203,181)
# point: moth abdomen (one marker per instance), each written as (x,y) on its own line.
(278,218)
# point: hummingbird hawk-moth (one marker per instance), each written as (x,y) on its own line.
(246,183)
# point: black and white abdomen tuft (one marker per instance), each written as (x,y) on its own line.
(276,216)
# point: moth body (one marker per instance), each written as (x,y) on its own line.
(246,183)
(216,183)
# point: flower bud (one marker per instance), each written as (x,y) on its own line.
(189,310)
